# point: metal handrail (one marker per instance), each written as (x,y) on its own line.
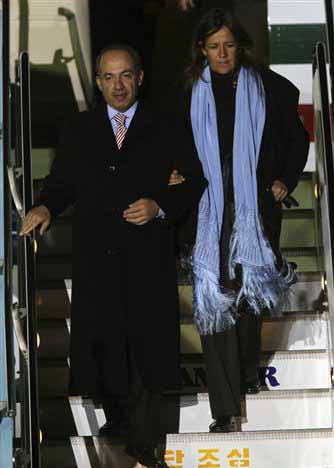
(7,212)
(78,55)
(18,315)
(330,39)
(325,174)
(27,295)
(12,171)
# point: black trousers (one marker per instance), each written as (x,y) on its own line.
(232,359)
(139,411)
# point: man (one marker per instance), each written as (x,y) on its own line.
(114,163)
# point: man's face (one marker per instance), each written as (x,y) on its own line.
(118,79)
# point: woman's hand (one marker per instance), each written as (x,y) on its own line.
(175,178)
(279,190)
(185,4)
(40,215)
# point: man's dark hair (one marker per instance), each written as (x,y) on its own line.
(137,61)
(209,24)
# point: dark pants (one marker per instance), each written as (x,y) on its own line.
(139,411)
(232,359)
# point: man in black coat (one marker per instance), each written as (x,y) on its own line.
(114,163)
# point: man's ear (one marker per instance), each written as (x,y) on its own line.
(98,82)
(140,77)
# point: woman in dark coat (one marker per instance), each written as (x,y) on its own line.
(253,148)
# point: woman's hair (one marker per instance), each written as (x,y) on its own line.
(209,24)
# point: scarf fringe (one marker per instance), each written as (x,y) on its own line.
(214,308)
(265,286)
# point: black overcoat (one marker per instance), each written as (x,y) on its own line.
(283,154)
(124,276)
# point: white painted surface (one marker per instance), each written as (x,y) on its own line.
(310,165)
(300,75)
(45,22)
(80,453)
(304,295)
(267,411)
(266,450)
(297,371)
(296,11)
(48,32)
(305,332)
(264,412)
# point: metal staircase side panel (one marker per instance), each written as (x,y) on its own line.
(6,443)
(293,449)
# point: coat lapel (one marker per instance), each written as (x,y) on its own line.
(103,130)
(139,128)
(140,125)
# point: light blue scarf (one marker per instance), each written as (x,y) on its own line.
(263,286)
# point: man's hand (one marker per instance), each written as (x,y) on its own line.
(175,178)
(141,211)
(185,4)
(40,215)
(279,190)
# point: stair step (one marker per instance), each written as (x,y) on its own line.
(58,239)
(53,268)
(54,339)
(41,161)
(276,449)
(304,195)
(293,332)
(305,294)
(278,371)
(74,416)
(267,411)
(298,232)
(53,376)
(287,372)
(86,452)
(52,301)
(306,259)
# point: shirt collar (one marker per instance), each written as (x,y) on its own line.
(129,113)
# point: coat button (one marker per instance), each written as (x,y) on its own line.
(112,168)
(113,251)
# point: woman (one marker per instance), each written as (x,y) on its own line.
(253,148)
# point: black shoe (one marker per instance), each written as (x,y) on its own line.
(222,425)
(146,456)
(251,388)
(113,429)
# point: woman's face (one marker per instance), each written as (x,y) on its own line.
(221,51)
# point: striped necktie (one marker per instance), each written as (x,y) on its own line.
(121,129)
